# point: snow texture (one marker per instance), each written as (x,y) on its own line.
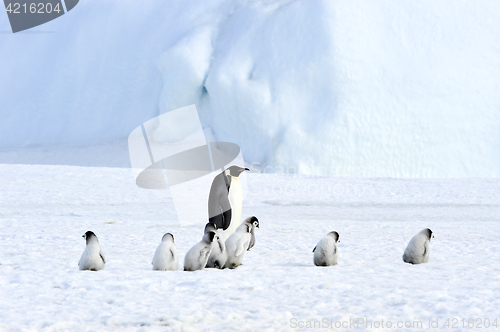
(44,210)
(341,88)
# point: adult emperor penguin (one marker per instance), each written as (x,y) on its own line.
(237,245)
(93,258)
(165,258)
(253,222)
(418,250)
(196,258)
(325,252)
(218,255)
(225,200)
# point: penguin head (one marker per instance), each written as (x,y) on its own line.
(335,235)
(253,221)
(210,227)
(235,171)
(428,233)
(88,236)
(167,236)
(209,237)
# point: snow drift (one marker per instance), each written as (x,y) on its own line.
(358,88)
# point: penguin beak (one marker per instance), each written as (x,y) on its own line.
(244,169)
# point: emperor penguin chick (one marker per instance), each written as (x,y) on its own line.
(165,258)
(325,252)
(210,227)
(237,245)
(418,249)
(93,258)
(196,258)
(253,222)
(218,256)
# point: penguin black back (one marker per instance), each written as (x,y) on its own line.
(219,207)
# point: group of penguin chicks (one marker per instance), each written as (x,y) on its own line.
(417,251)
(212,251)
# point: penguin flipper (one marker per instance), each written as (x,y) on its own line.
(223,219)
(426,248)
(227,180)
(102,256)
(252,241)
(240,248)
(218,201)
(226,218)
(204,253)
(221,246)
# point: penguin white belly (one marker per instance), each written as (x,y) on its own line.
(235,196)
(91,258)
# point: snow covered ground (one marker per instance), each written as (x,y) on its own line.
(44,210)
